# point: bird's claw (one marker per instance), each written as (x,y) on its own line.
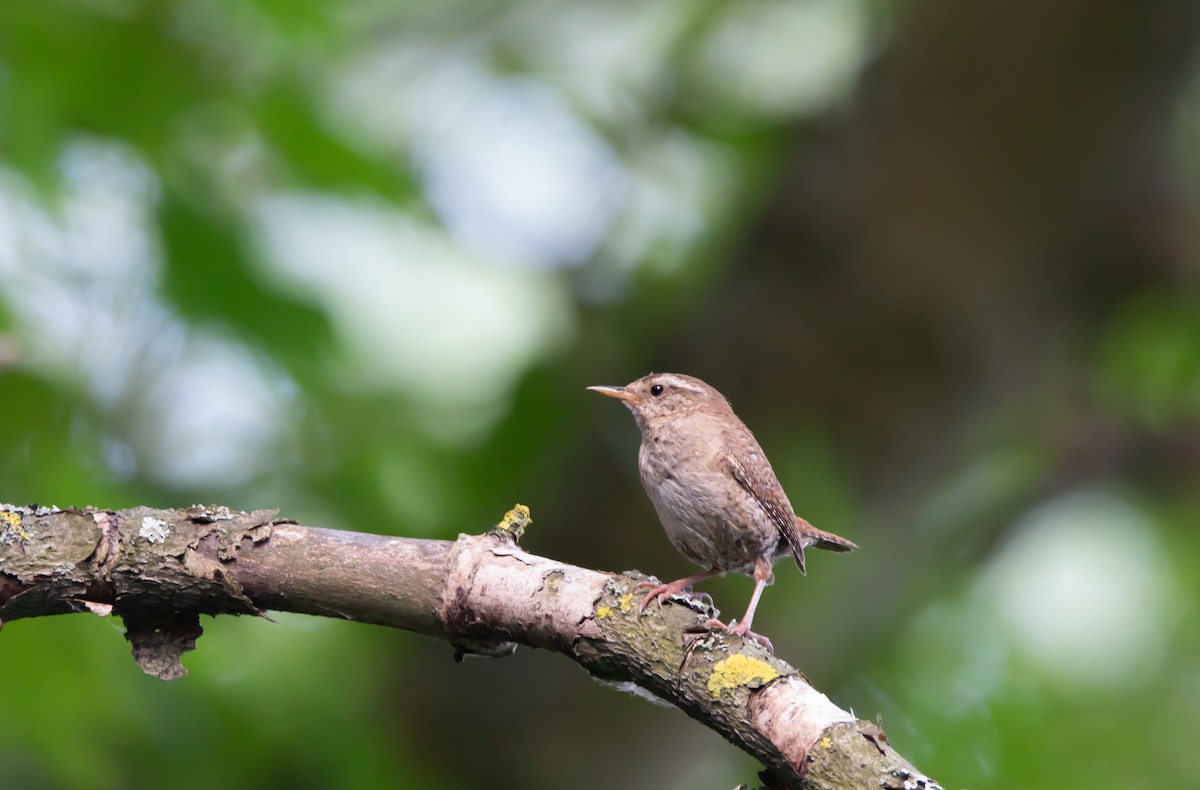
(659,592)
(735,628)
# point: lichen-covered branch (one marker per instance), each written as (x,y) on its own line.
(161,569)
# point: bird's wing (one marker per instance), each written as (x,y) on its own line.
(754,474)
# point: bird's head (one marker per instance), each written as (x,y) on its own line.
(660,397)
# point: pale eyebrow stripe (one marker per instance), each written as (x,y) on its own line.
(682,384)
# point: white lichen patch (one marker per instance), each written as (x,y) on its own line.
(629,687)
(154,530)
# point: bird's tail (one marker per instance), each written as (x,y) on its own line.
(819,538)
(808,535)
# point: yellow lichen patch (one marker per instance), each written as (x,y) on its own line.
(626,602)
(738,670)
(604,611)
(12,523)
(515,521)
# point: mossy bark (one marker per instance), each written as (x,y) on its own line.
(161,569)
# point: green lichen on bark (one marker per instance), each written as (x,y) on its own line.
(668,651)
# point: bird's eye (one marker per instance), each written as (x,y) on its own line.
(656,390)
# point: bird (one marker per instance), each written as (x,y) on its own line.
(719,501)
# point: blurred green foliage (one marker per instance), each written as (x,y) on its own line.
(358,261)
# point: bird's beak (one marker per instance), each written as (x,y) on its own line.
(614,392)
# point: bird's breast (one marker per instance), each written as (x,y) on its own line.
(706,515)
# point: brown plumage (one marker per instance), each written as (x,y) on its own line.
(715,492)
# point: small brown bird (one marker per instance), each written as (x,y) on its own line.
(715,492)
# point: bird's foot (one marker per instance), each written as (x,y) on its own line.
(661,592)
(738,629)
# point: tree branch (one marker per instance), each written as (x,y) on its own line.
(161,569)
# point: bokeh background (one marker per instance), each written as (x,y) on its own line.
(357,261)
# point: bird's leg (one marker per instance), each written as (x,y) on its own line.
(762,577)
(665,591)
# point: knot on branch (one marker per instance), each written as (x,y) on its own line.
(159,640)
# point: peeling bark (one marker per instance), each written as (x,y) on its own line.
(161,569)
